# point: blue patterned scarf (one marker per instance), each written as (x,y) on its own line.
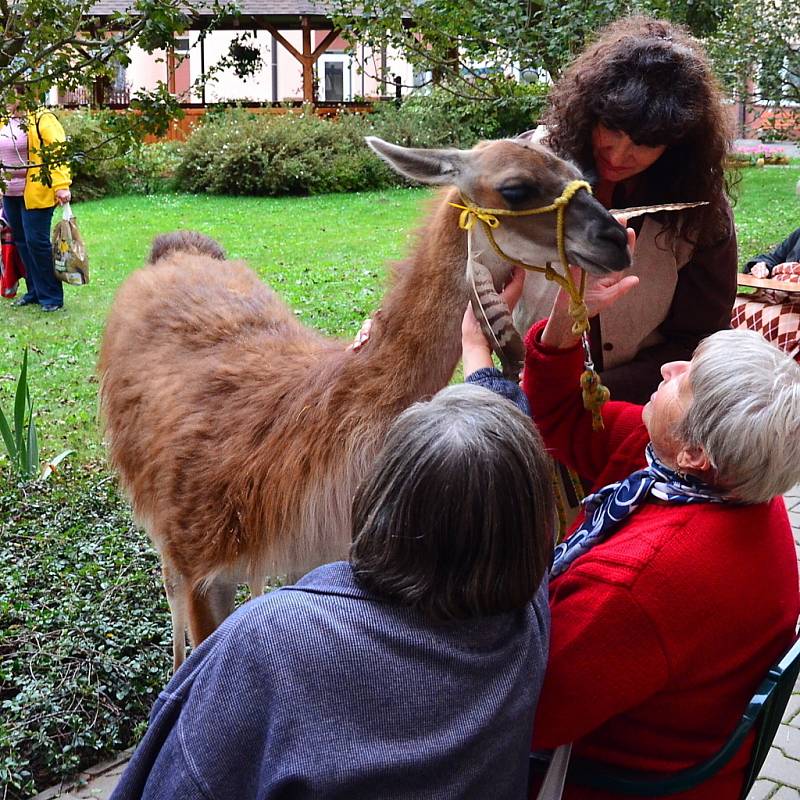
(608,507)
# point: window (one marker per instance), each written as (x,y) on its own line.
(334,71)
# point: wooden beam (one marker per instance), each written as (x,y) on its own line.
(171,85)
(203,66)
(99,91)
(308,57)
(308,62)
(284,42)
(326,43)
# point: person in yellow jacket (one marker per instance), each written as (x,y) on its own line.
(28,202)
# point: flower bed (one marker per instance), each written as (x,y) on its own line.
(758,155)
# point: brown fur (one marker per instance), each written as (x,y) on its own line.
(184,242)
(240,435)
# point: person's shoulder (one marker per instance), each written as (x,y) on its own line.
(43,113)
(290,610)
(794,236)
(45,119)
(682,542)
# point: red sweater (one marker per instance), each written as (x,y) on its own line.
(661,634)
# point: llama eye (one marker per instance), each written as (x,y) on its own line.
(518,193)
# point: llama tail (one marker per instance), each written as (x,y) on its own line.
(184,241)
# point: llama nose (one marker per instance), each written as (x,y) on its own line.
(613,233)
(609,241)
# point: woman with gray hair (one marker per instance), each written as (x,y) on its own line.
(412,671)
(678,586)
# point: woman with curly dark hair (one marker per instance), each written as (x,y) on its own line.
(641,113)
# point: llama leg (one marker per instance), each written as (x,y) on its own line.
(221,595)
(255,581)
(175,588)
(208,607)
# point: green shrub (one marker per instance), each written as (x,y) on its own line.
(85,641)
(101,171)
(151,168)
(241,153)
(112,168)
(238,152)
(439,118)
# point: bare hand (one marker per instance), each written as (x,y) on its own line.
(472,338)
(601,292)
(362,337)
(476,350)
(513,289)
(63,196)
(759,270)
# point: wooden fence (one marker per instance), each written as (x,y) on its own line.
(179,129)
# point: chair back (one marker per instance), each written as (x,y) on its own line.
(768,704)
(763,714)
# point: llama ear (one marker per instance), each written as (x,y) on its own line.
(426,166)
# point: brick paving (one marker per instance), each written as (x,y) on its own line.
(779,778)
(780,775)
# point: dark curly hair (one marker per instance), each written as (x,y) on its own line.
(651,79)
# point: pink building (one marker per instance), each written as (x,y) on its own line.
(302,57)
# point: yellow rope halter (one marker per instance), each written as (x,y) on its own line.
(593,391)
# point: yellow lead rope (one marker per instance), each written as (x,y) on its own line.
(593,392)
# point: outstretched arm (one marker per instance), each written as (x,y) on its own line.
(476,352)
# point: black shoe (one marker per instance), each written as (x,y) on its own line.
(52,308)
(25,301)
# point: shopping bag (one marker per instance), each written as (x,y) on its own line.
(11,266)
(70,262)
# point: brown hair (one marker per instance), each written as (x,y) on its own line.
(651,79)
(456,517)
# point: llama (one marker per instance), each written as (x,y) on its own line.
(240,435)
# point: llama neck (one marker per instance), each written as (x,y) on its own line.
(416,341)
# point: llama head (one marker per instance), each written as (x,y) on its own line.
(184,241)
(517,175)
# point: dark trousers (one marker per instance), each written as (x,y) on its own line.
(32,237)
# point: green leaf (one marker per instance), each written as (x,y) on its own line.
(32,463)
(8,438)
(51,465)
(20,402)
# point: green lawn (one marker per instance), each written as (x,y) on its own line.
(768,209)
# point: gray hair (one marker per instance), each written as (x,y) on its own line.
(745,413)
(456,517)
